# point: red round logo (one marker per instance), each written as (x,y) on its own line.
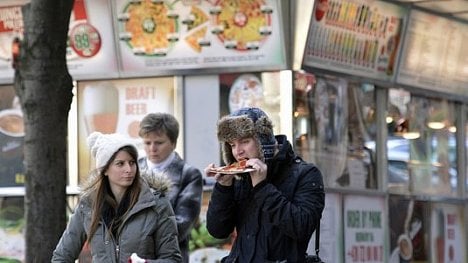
(85,40)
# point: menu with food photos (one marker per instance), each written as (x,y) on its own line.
(157,37)
(90,47)
(434,54)
(357,37)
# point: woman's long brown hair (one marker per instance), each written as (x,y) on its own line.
(102,195)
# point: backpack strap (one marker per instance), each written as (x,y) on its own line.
(317,239)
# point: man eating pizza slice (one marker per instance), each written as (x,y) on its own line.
(275,207)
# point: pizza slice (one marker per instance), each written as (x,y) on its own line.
(199,17)
(234,168)
(240,165)
(193,39)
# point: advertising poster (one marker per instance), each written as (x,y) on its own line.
(358,37)
(11,27)
(434,54)
(11,139)
(448,238)
(163,36)
(91,48)
(12,227)
(251,90)
(330,231)
(364,228)
(409,222)
(118,106)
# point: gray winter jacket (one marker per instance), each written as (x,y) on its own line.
(149,230)
(185,196)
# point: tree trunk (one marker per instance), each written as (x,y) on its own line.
(44,87)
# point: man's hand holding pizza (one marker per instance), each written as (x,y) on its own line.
(223,179)
(260,170)
(224,175)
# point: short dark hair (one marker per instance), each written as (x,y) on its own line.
(160,123)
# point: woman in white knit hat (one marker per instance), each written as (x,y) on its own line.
(118,215)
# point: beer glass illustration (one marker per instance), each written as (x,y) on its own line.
(101,107)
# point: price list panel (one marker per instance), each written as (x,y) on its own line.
(355,37)
(434,55)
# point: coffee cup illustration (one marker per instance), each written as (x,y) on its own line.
(11,133)
(405,246)
(11,122)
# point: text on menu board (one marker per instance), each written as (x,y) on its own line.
(133,94)
(358,37)
(11,19)
(365,220)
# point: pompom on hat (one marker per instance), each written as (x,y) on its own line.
(244,123)
(103,146)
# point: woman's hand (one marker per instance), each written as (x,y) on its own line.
(134,258)
(222,179)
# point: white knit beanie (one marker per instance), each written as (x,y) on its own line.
(103,146)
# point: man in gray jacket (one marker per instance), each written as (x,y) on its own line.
(159,132)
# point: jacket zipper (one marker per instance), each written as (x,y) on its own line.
(117,251)
(115,241)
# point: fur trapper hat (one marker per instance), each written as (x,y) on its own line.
(244,123)
(103,146)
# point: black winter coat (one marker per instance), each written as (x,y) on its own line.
(274,220)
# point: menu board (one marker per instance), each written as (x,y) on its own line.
(434,54)
(118,106)
(448,240)
(156,36)
(91,50)
(364,228)
(358,37)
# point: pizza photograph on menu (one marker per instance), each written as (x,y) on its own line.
(197,28)
(196,18)
(195,39)
(242,24)
(148,27)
